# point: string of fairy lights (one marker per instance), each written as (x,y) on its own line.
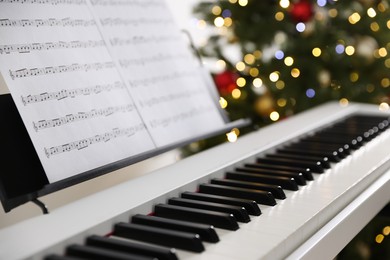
(250,65)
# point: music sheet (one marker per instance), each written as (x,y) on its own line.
(159,69)
(99,81)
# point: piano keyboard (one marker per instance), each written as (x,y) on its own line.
(263,205)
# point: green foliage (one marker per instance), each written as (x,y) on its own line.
(257,28)
(356,77)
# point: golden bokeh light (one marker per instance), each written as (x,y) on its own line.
(240,66)
(219,21)
(274,116)
(249,58)
(343,102)
(241,82)
(353,77)
(232,136)
(243,2)
(387,63)
(382,52)
(279,16)
(258,54)
(223,103)
(374,27)
(371,12)
(289,61)
(282,102)
(379,238)
(385,82)
(257,82)
(280,84)
(316,52)
(216,10)
(221,64)
(349,50)
(254,72)
(274,76)
(284,3)
(295,72)
(333,12)
(384,106)
(381,7)
(386,230)
(236,93)
(228,22)
(354,18)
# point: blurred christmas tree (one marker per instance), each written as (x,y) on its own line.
(294,55)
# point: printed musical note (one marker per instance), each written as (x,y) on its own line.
(160,57)
(136,22)
(99,138)
(70,118)
(46,22)
(135,40)
(30,47)
(72,93)
(115,87)
(52,2)
(179,117)
(23,73)
(162,78)
(172,97)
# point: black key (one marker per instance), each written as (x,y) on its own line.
(128,246)
(239,212)
(367,135)
(351,141)
(383,126)
(276,190)
(355,138)
(285,182)
(261,197)
(343,130)
(298,177)
(332,156)
(62,257)
(250,205)
(96,253)
(305,171)
(367,130)
(324,161)
(341,148)
(217,219)
(315,167)
(375,130)
(320,147)
(159,236)
(206,232)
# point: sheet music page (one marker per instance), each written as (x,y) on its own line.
(158,68)
(68,90)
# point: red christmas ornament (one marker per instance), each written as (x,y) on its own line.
(301,11)
(226,82)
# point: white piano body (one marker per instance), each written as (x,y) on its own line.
(315,222)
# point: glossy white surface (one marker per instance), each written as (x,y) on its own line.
(273,235)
